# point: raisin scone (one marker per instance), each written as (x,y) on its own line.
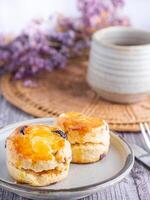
(89,136)
(38,155)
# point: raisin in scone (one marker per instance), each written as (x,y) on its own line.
(38,155)
(89,136)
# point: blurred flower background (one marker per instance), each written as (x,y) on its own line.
(46,44)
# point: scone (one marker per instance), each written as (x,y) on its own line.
(38,155)
(89,137)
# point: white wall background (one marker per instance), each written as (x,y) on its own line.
(15,14)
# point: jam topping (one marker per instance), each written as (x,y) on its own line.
(38,142)
(78,122)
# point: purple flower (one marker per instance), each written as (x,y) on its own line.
(30,83)
(38,48)
(118,3)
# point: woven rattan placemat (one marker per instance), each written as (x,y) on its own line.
(67,90)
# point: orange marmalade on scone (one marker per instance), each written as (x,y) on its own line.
(38,142)
(73,121)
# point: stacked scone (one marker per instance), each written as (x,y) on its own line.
(38,155)
(89,136)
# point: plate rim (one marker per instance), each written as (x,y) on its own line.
(114,179)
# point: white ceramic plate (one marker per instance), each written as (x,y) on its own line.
(83,180)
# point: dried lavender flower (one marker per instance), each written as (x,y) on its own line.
(40,48)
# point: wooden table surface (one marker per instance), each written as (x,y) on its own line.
(136,186)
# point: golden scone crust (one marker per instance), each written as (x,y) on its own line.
(38,151)
(89,137)
(37,179)
(88,152)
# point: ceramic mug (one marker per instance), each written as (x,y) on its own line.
(119,65)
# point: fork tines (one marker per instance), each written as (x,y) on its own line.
(146,133)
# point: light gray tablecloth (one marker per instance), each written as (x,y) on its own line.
(136,186)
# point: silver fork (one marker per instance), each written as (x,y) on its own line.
(146,133)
